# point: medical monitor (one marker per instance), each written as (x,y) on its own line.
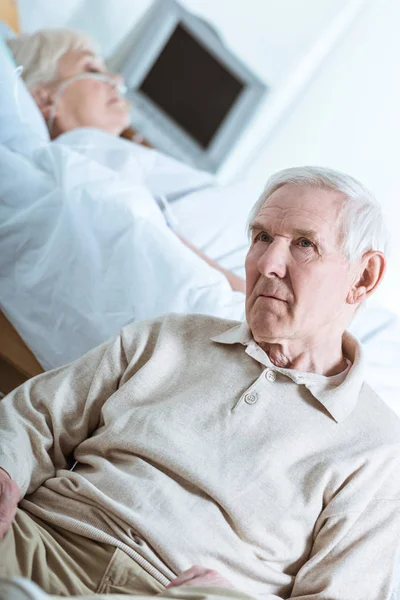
(191,96)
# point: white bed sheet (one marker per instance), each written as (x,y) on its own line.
(84,251)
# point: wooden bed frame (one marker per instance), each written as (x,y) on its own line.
(17,363)
(9,14)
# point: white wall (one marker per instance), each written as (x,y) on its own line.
(269,35)
(39,14)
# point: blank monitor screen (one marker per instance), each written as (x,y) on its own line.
(191,86)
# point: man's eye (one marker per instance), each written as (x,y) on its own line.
(306,243)
(263,237)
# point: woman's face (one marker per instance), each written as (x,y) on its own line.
(85,102)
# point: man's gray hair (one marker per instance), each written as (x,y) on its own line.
(363,226)
(40,52)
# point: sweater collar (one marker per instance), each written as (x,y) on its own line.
(338,400)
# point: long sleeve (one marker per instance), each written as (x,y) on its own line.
(43,420)
(355,555)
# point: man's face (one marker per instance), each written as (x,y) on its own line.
(297,279)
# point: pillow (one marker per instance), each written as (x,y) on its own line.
(5,34)
(214,219)
(20,118)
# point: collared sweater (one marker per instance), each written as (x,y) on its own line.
(181,443)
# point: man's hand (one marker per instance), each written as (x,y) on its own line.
(9,498)
(198,575)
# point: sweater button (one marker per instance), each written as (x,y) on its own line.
(251,398)
(270,375)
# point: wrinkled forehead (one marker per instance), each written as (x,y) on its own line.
(306,207)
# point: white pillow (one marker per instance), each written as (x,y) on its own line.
(214,219)
(20,117)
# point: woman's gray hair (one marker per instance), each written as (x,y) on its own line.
(363,226)
(40,52)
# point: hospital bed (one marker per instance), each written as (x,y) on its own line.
(17,362)
(9,14)
(84,245)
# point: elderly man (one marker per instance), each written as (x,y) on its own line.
(196,451)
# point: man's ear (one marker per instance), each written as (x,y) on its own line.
(43,95)
(369,275)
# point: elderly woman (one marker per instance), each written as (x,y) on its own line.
(53,62)
(69,81)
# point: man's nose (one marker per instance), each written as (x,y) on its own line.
(273,261)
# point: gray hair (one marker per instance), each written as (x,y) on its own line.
(363,226)
(40,52)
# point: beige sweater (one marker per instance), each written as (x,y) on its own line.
(197,451)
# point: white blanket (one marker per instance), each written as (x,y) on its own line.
(85,250)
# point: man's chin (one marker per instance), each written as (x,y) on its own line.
(267,325)
(269,322)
